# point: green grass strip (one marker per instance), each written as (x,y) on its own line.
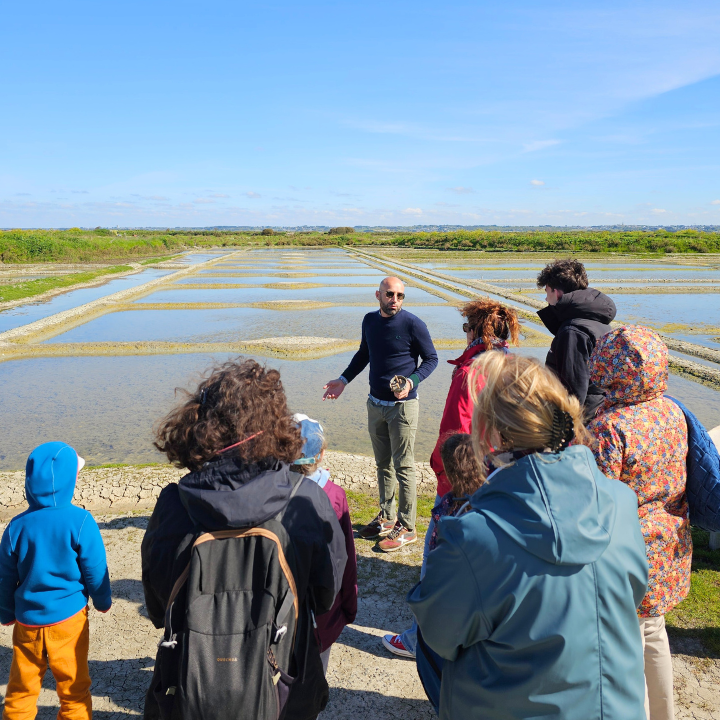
(29,288)
(153,261)
(698,616)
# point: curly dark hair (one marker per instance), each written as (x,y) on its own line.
(236,400)
(461,466)
(566,275)
(491,319)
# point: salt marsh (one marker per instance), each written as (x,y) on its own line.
(107,405)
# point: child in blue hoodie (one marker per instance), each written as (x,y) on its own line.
(52,558)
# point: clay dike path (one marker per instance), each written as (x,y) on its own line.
(366,682)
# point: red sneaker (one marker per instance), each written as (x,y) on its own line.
(378,527)
(399,537)
(395,645)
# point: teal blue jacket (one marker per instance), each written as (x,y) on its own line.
(531,596)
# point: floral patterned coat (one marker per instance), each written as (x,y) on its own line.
(641,439)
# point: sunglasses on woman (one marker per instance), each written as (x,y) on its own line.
(390,294)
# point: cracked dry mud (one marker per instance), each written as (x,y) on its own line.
(366,682)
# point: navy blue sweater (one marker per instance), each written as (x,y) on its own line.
(392,346)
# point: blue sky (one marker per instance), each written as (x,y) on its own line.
(396,113)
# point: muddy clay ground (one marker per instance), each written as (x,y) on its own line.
(366,682)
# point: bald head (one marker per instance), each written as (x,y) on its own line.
(390,296)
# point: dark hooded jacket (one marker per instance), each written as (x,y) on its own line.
(577,320)
(530,596)
(228,493)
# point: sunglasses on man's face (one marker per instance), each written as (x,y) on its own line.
(390,294)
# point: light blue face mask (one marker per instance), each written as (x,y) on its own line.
(313,435)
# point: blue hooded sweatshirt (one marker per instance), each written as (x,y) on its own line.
(531,596)
(52,556)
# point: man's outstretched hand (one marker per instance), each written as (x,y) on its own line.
(333,390)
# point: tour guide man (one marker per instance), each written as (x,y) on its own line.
(392,341)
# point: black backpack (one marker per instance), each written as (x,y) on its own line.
(230,627)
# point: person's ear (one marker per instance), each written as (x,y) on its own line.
(321,456)
(377,294)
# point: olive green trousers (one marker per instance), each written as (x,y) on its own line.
(392,432)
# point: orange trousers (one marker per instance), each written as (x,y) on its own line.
(64,647)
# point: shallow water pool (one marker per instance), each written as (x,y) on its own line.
(234,324)
(72,400)
(24,314)
(250,295)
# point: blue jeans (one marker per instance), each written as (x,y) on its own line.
(409,637)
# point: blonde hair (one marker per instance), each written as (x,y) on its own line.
(516,407)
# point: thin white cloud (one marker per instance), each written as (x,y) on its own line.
(539,145)
(460,190)
(252,194)
(203,201)
(219,195)
(715,202)
(658,211)
(79,192)
(412,211)
(537,183)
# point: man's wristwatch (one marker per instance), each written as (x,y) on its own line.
(343,380)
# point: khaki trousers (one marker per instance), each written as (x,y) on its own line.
(64,647)
(659,703)
(392,432)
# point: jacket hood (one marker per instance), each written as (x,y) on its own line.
(585,304)
(471,351)
(50,475)
(552,505)
(229,493)
(630,364)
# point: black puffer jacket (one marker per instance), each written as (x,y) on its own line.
(227,493)
(577,320)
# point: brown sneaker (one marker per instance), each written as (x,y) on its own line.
(379,527)
(399,537)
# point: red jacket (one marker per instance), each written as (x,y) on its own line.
(457,416)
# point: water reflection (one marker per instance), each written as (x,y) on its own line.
(248,295)
(232,324)
(24,314)
(106,407)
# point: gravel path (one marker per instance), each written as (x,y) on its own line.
(366,682)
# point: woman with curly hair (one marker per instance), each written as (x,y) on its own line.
(237,438)
(489,325)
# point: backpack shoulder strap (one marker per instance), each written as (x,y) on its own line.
(296,479)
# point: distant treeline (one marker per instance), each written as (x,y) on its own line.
(76,245)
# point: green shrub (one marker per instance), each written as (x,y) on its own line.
(341,231)
(268,231)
